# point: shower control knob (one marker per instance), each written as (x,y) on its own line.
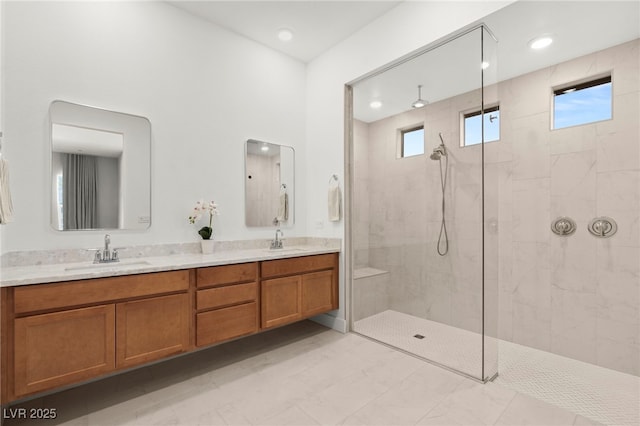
(603,227)
(563,226)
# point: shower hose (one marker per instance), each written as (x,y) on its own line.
(443,225)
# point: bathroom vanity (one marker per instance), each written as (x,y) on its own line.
(55,334)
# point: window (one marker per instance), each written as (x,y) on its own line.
(582,103)
(412,142)
(473,126)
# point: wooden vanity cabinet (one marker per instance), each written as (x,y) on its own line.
(297,288)
(68,332)
(58,334)
(226,302)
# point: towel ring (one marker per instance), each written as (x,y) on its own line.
(334,177)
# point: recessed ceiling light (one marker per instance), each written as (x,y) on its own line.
(285,34)
(375,104)
(264,148)
(540,42)
(485,65)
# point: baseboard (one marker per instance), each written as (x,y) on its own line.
(338,324)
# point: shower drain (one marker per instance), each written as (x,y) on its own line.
(418,336)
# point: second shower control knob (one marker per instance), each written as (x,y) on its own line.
(603,227)
(563,226)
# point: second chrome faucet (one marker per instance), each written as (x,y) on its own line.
(107,254)
(276,243)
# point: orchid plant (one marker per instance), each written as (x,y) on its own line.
(200,209)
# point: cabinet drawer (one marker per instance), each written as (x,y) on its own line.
(298,265)
(43,297)
(227,274)
(227,323)
(228,295)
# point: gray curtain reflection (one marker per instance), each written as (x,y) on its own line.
(80,191)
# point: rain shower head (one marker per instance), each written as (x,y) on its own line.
(419,103)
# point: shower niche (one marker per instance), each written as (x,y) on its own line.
(425,227)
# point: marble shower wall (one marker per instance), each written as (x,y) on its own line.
(397,213)
(576,296)
(361,195)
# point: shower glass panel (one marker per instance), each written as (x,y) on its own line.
(424,233)
(494,172)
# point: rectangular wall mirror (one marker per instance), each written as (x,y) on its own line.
(268,184)
(100,168)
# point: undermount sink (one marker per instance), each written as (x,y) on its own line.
(286,250)
(114,265)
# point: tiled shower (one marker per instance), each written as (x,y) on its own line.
(398,213)
(577,296)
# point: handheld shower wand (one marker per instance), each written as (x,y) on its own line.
(439,152)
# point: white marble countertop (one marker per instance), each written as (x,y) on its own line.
(36,274)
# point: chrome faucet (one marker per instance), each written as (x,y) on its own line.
(277,243)
(107,254)
(107,241)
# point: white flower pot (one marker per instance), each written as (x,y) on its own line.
(207,246)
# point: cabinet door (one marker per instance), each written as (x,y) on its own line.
(281,301)
(318,293)
(57,349)
(151,329)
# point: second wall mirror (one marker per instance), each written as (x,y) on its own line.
(269,184)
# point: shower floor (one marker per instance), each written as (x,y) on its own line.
(450,346)
(606,396)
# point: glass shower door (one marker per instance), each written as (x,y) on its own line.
(419,254)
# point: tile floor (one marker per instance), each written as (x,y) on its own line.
(601,394)
(303,374)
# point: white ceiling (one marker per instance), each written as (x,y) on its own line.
(317,25)
(578,28)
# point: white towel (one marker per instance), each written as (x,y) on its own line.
(334,203)
(6,206)
(283,207)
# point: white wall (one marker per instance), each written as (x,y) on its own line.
(1,90)
(189,77)
(407,27)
